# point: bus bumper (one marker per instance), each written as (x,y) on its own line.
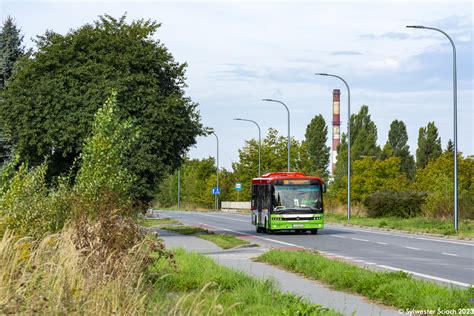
(287,225)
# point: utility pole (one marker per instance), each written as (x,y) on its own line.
(289,140)
(455,118)
(348,142)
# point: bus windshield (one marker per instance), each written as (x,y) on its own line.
(294,197)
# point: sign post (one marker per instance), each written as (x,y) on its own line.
(216,192)
(238,187)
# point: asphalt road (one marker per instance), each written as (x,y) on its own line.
(436,259)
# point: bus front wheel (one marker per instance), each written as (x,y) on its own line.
(267,229)
(314,231)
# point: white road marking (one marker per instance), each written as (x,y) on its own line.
(358,260)
(425,275)
(259,237)
(337,236)
(412,248)
(350,258)
(381,243)
(449,254)
(359,239)
(400,235)
(231,219)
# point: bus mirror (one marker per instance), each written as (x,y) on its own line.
(324,188)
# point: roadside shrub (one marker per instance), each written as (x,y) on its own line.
(437,180)
(394,203)
(102,165)
(30,208)
(440,204)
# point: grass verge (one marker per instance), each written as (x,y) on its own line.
(391,288)
(414,225)
(196,285)
(224,241)
(156,222)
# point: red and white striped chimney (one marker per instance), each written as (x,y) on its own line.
(336,125)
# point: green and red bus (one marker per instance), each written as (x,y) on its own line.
(287,201)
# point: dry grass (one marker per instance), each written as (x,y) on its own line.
(53,276)
(341,209)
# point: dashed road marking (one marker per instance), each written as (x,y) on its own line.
(382,243)
(337,236)
(412,248)
(259,237)
(359,239)
(449,254)
(400,235)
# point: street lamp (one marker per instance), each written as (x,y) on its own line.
(271,100)
(216,199)
(259,139)
(455,118)
(348,142)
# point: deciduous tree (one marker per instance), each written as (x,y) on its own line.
(429,145)
(397,146)
(50,101)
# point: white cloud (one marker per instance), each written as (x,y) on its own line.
(240,52)
(386,64)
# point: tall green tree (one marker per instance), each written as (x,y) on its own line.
(449,147)
(429,145)
(273,159)
(10,49)
(363,143)
(397,146)
(316,137)
(49,103)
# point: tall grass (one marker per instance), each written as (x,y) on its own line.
(392,288)
(199,286)
(53,276)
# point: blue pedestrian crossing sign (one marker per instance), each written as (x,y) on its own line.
(238,186)
(216,191)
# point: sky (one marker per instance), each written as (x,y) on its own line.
(240,52)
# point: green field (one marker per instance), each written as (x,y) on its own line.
(414,225)
(196,285)
(390,288)
(156,222)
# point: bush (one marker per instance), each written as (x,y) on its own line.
(30,208)
(103,157)
(394,203)
(437,180)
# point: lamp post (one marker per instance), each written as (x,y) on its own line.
(455,118)
(271,100)
(259,139)
(348,142)
(216,199)
(179,189)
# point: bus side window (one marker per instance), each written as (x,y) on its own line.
(265,196)
(260,197)
(268,196)
(254,196)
